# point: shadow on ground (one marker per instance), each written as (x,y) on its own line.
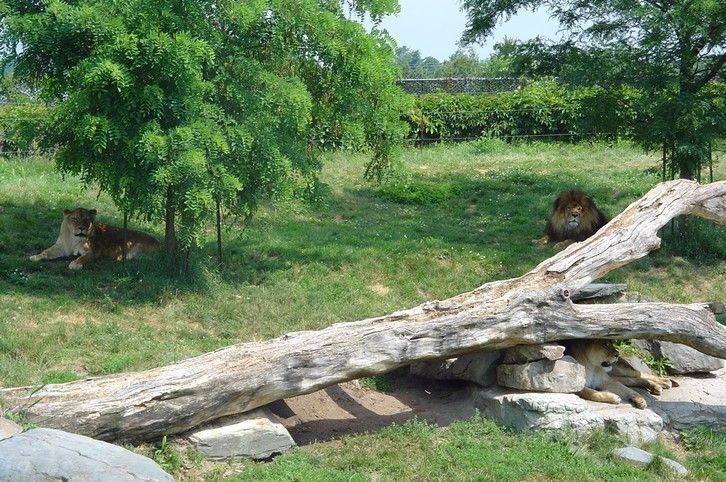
(348,409)
(498,214)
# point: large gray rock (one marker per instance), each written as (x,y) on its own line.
(48,454)
(641,458)
(480,368)
(256,435)
(631,361)
(556,411)
(530,353)
(8,428)
(554,376)
(695,401)
(685,359)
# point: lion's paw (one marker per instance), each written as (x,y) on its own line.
(654,388)
(75,266)
(541,242)
(35,257)
(639,402)
(665,383)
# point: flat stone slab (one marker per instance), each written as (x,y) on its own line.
(695,401)
(529,353)
(531,411)
(598,290)
(256,435)
(630,361)
(685,359)
(641,458)
(48,454)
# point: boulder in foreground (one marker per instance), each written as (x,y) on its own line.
(49,454)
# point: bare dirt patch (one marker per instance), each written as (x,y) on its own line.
(348,408)
(379,289)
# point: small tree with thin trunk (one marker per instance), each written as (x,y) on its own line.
(177,107)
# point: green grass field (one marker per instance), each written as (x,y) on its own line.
(448,220)
(475,449)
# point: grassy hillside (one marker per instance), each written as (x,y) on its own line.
(450,219)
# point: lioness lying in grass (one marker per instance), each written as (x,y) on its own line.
(81,236)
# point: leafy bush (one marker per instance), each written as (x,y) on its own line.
(658,365)
(22,126)
(543,109)
(380,383)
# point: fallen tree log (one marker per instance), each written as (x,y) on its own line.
(534,308)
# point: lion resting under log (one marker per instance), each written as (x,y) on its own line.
(607,381)
(81,236)
(574,217)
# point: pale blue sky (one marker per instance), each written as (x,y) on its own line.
(434,27)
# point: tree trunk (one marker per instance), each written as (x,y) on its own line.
(219,233)
(534,308)
(125,246)
(170,244)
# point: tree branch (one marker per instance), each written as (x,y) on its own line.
(715,68)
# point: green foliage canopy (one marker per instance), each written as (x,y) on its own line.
(172,106)
(462,63)
(414,66)
(671,49)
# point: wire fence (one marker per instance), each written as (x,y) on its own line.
(545,126)
(423,140)
(461,85)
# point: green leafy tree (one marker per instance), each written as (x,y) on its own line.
(462,63)
(178,107)
(412,65)
(672,49)
(466,63)
(428,68)
(407,60)
(535,58)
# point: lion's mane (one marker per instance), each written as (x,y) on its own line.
(574,216)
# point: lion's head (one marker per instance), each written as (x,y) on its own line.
(574,216)
(79,221)
(594,353)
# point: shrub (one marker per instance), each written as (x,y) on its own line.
(544,109)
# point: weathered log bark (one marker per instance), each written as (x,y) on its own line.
(534,308)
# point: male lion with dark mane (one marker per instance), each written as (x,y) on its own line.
(606,380)
(574,217)
(81,236)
